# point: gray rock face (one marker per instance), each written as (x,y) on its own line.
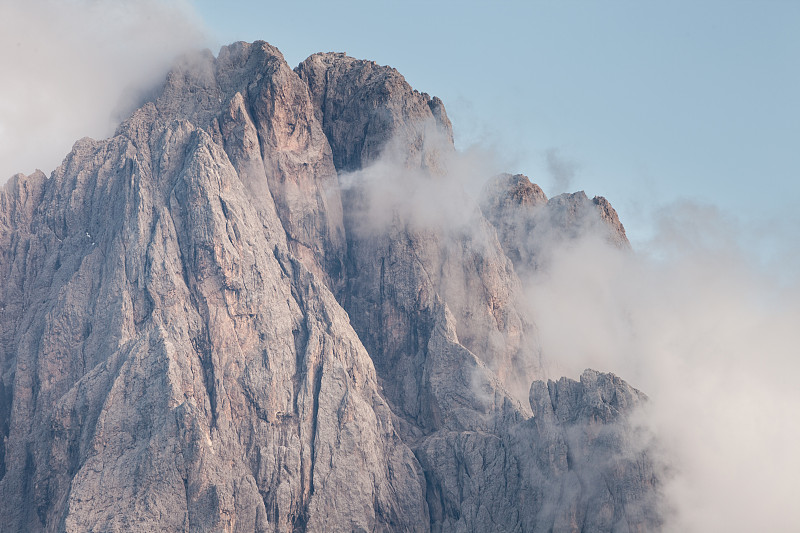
(586,446)
(577,465)
(363,107)
(396,274)
(198,334)
(173,362)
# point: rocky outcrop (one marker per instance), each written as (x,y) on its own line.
(579,464)
(528,224)
(616,231)
(592,455)
(173,362)
(366,109)
(253,105)
(198,331)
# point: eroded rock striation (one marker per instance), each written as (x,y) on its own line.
(199,332)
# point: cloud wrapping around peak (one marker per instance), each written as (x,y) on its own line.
(711,337)
(693,318)
(66,63)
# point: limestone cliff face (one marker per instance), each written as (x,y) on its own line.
(198,334)
(396,274)
(363,107)
(173,363)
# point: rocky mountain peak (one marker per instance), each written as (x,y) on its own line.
(508,191)
(528,223)
(364,106)
(198,331)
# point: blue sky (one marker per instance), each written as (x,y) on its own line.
(648,102)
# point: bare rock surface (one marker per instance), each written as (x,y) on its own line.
(198,332)
(397,272)
(364,106)
(173,362)
(579,464)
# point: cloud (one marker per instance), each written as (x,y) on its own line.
(425,188)
(562,170)
(695,318)
(67,63)
(697,323)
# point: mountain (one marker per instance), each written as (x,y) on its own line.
(231,316)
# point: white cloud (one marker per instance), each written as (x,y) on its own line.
(712,337)
(66,65)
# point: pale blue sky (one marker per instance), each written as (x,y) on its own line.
(650,102)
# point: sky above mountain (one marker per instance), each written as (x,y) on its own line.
(647,104)
(644,103)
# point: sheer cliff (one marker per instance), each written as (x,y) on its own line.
(202,328)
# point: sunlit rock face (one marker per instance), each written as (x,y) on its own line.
(202,328)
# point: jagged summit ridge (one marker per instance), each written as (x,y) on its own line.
(528,223)
(197,333)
